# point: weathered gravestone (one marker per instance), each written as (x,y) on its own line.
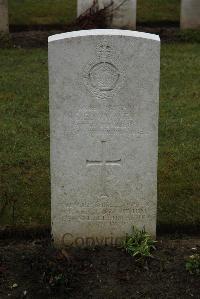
(190,14)
(4,27)
(122,14)
(104,90)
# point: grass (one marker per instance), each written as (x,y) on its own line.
(24,172)
(31,12)
(179,176)
(24,136)
(152,11)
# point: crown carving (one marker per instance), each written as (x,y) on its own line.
(104,51)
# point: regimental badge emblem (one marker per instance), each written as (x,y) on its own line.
(104,75)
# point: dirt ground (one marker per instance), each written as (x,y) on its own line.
(39,38)
(34,269)
(36,36)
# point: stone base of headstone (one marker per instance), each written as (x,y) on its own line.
(120,14)
(190,14)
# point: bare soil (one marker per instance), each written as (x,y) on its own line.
(39,38)
(34,269)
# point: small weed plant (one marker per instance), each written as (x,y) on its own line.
(193,264)
(139,243)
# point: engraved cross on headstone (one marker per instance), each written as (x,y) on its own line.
(103,162)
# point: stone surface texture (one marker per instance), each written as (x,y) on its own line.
(190,14)
(121,15)
(104,98)
(4,26)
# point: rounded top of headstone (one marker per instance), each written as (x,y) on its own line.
(103,32)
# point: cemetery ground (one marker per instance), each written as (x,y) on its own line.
(29,266)
(34,269)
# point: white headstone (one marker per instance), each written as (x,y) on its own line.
(122,14)
(4,26)
(190,14)
(104,95)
